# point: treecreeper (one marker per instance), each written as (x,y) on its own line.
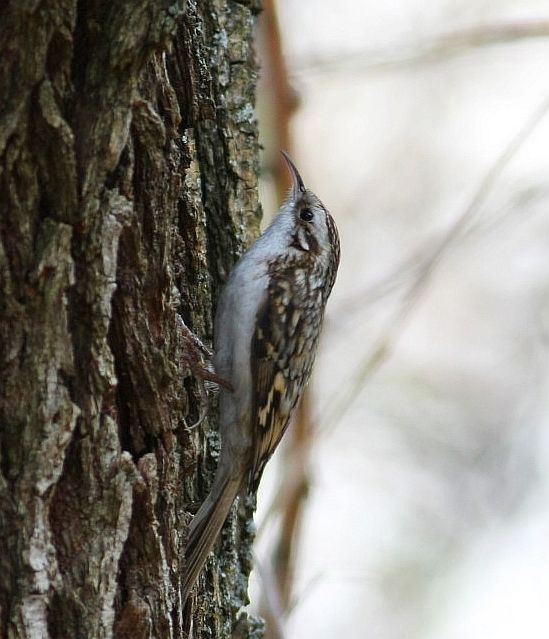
(267,326)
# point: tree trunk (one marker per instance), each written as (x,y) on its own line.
(128,187)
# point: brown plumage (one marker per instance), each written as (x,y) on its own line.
(267,327)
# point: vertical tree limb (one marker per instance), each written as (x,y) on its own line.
(128,187)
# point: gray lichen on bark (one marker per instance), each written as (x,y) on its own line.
(128,188)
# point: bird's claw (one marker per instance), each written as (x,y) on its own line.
(194,354)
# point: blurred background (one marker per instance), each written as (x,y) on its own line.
(411,498)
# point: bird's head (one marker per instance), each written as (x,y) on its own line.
(310,226)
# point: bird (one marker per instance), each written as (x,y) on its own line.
(266,331)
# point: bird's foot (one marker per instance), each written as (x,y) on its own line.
(195,357)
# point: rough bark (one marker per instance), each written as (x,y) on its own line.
(128,187)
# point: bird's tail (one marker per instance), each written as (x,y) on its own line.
(205,527)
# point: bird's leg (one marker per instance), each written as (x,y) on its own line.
(195,354)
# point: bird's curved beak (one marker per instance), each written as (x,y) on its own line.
(297,183)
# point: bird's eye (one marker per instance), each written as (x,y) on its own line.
(306,215)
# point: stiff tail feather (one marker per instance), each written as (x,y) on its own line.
(205,528)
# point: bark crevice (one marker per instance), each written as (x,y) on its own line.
(128,187)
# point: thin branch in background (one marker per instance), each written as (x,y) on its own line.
(272,609)
(290,500)
(338,405)
(407,271)
(293,498)
(283,96)
(445,46)
(379,291)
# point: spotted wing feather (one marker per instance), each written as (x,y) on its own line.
(282,355)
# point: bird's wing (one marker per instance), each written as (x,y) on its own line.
(275,383)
